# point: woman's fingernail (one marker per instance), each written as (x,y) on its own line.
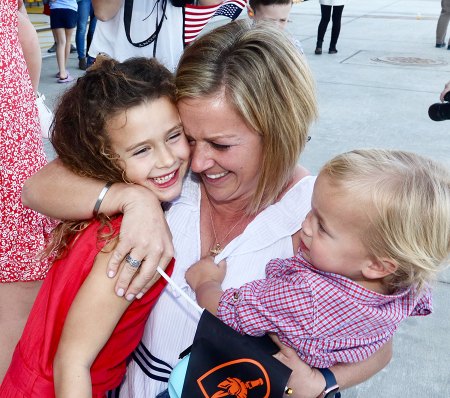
(139,295)
(120,292)
(111,274)
(130,297)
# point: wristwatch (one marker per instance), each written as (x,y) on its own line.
(331,386)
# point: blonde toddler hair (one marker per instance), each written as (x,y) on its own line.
(407,199)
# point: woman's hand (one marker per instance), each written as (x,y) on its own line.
(305,382)
(144,235)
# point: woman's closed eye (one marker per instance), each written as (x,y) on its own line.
(220,147)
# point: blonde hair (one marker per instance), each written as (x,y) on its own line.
(270,85)
(407,199)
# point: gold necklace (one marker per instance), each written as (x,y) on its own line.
(217,247)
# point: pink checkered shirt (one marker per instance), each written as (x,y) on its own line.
(326,317)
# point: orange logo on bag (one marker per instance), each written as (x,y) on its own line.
(232,385)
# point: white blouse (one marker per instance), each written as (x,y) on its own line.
(172,323)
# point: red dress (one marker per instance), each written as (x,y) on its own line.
(31,371)
(23,231)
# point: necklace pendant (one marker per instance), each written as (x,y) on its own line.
(216,249)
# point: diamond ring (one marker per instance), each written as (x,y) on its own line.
(133,262)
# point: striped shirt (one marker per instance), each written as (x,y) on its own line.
(327,318)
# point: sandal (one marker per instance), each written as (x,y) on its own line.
(67,79)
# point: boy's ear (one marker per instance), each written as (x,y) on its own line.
(379,268)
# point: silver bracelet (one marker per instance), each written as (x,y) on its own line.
(100,198)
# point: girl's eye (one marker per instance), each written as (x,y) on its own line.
(174,136)
(220,147)
(141,151)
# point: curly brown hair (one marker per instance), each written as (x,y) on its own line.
(79,134)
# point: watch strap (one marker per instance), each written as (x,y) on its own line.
(331,384)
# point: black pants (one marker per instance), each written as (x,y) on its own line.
(336,28)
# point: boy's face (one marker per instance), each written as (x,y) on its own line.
(277,13)
(331,233)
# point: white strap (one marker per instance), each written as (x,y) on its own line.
(179,290)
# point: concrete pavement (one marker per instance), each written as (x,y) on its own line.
(374,93)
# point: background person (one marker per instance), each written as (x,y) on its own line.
(63,19)
(326,9)
(276,11)
(247,128)
(130,130)
(442,25)
(85,13)
(147,29)
(23,231)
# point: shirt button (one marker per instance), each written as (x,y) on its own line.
(236,296)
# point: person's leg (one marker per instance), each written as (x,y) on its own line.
(60,37)
(92,24)
(68,38)
(323,24)
(84,7)
(441,28)
(336,29)
(16,300)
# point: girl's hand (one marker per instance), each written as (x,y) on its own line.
(204,271)
(305,382)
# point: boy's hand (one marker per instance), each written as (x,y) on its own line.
(205,278)
(204,271)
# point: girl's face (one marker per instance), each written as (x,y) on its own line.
(226,153)
(153,150)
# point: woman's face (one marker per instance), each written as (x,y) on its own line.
(225,152)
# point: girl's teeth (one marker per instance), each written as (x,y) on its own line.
(215,176)
(162,180)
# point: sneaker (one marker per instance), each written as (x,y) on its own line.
(332,51)
(73,49)
(52,49)
(82,64)
(440,45)
(67,79)
(318,50)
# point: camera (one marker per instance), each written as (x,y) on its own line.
(440,111)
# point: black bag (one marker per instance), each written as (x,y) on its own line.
(224,363)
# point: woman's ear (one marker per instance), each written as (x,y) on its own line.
(379,268)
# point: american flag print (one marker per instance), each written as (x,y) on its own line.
(196,17)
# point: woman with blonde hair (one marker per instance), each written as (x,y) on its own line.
(246,99)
